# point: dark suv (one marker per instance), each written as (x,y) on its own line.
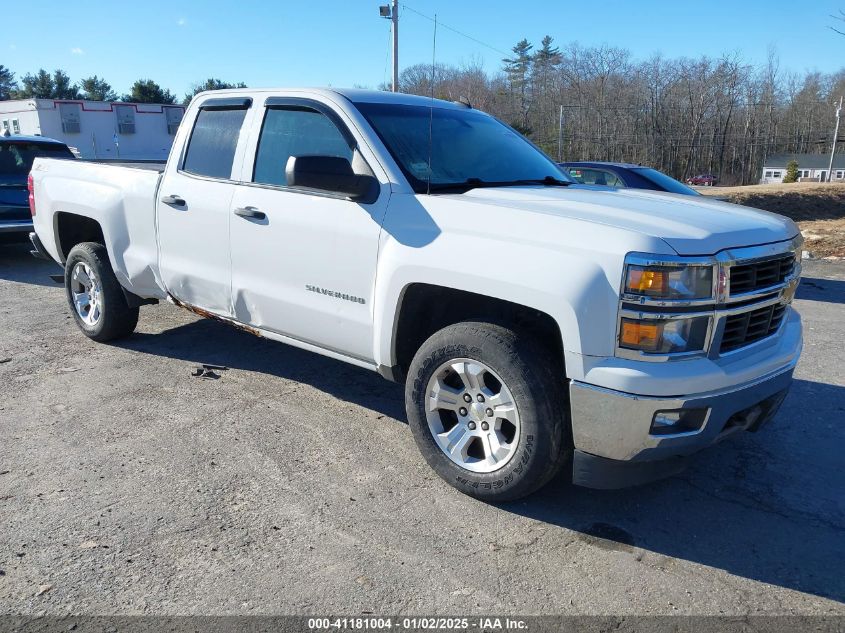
(624,175)
(16,156)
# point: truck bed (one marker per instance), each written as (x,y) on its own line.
(120,198)
(151,165)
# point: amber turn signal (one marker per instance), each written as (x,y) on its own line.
(647,281)
(640,335)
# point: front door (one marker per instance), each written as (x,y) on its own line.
(194,209)
(304,262)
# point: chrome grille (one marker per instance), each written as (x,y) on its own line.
(748,327)
(760,274)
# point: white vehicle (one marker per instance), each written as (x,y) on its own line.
(538,325)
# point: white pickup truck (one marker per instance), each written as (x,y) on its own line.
(537,324)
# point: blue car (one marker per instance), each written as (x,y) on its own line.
(624,175)
(16,156)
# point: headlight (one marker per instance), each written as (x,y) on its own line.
(664,336)
(669,282)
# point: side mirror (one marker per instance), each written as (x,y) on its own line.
(330,173)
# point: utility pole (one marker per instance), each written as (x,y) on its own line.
(394,16)
(560,135)
(391,12)
(833,145)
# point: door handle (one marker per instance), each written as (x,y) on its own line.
(174,200)
(250,212)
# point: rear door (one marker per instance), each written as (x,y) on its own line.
(194,203)
(305,267)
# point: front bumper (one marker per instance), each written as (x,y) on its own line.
(616,446)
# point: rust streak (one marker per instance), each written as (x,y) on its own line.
(214,317)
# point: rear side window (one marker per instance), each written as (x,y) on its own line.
(16,158)
(295,131)
(211,148)
(588,176)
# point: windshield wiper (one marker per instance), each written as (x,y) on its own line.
(12,185)
(477,183)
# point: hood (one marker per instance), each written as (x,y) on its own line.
(691,225)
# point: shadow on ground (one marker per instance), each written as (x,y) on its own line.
(17,264)
(818,289)
(210,342)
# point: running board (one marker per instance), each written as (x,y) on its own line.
(59,279)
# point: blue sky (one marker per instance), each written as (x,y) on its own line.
(345,43)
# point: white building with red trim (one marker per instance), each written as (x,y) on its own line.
(97,129)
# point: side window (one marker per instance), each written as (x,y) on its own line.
(211,148)
(613,180)
(600,177)
(294,131)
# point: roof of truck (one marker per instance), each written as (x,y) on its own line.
(382,96)
(355,95)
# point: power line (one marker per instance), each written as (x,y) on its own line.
(441,24)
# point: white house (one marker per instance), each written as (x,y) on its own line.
(97,129)
(811,167)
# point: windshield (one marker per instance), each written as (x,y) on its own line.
(666,182)
(16,159)
(468,148)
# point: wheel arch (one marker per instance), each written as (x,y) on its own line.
(424,308)
(71,229)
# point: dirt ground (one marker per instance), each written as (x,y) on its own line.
(818,208)
(292,485)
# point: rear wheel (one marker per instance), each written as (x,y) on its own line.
(486,406)
(95,296)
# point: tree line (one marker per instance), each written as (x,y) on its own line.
(58,85)
(682,116)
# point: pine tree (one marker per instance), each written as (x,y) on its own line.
(37,86)
(62,87)
(43,85)
(518,71)
(546,64)
(210,84)
(148,91)
(791,171)
(8,85)
(96,89)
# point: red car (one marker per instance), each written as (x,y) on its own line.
(702,180)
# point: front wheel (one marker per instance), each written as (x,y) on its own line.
(486,407)
(95,296)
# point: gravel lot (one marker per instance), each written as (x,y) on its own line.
(292,485)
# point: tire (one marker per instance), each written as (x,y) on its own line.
(532,438)
(107,316)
